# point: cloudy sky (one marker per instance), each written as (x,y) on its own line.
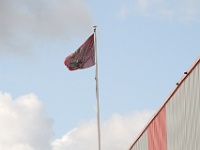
(144,46)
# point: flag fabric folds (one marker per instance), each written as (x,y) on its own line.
(83,57)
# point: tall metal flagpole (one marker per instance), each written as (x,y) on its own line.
(97,91)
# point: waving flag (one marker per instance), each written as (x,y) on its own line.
(83,57)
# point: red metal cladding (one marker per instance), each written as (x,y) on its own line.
(176,125)
(157,136)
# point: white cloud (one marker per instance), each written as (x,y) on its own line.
(182,10)
(24,21)
(143,5)
(124,11)
(191,13)
(23,124)
(117,133)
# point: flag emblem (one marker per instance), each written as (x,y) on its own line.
(83,57)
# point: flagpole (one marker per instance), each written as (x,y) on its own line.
(97,92)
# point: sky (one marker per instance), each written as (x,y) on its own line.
(144,47)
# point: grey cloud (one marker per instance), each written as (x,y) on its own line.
(23,21)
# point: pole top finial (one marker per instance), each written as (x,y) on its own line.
(94,27)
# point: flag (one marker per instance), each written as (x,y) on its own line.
(83,57)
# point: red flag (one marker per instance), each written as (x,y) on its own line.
(83,57)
